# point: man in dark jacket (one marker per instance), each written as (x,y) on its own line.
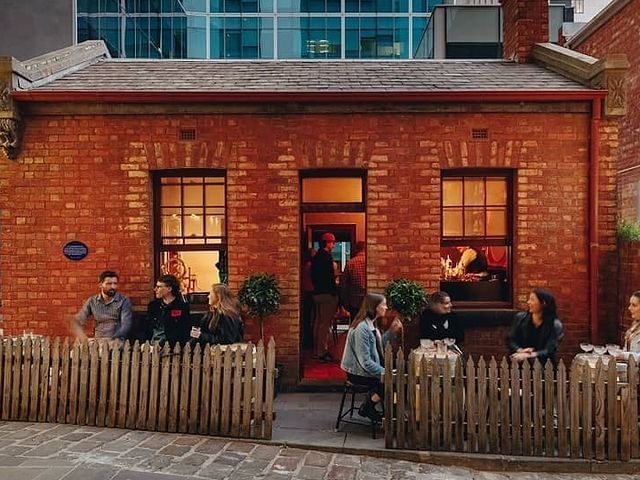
(325,296)
(168,317)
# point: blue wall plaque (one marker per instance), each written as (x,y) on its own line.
(75,250)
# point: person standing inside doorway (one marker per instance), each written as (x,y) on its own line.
(325,298)
(353,280)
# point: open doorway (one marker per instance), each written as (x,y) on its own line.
(332,202)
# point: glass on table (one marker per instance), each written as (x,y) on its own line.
(586,347)
(599,349)
(614,350)
(426,343)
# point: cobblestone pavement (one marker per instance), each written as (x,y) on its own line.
(33,451)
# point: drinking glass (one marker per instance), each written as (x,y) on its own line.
(599,349)
(614,349)
(426,343)
(586,347)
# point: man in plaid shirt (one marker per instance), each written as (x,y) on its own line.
(354,279)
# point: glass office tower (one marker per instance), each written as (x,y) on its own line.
(256,29)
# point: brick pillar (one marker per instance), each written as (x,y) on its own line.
(525,23)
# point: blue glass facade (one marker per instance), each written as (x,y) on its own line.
(255,29)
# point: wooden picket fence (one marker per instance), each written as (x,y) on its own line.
(511,408)
(213,391)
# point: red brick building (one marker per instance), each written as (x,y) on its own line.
(146,162)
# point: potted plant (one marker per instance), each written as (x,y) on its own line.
(408,298)
(259,293)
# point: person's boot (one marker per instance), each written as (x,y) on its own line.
(368,410)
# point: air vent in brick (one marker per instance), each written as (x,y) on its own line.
(480,133)
(188,134)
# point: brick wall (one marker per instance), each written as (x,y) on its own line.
(621,34)
(88,178)
(525,23)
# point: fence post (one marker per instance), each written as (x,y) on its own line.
(388,398)
(271,369)
(600,410)
(561,382)
(84,383)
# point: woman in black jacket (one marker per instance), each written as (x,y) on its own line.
(222,324)
(536,332)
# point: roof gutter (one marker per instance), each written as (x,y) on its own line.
(60,96)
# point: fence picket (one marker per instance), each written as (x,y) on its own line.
(35,379)
(134,384)
(226,393)
(505,420)
(15,389)
(163,399)
(74,381)
(527,446)
(446,404)
(482,405)
(214,424)
(44,381)
(599,410)
(195,397)
(516,395)
(174,411)
(587,413)
(632,378)
(425,404)
(143,398)
(549,408)
(6,392)
(574,408)
(185,383)
(103,393)
(123,394)
(271,369)
(247,381)
(412,391)
(154,389)
(236,393)
(64,382)
(561,387)
(25,378)
(494,440)
(400,394)
(537,408)
(203,426)
(83,389)
(613,411)
(2,343)
(94,378)
(388,399)
(436,419)
(258,419)
(471,406)
(625,424)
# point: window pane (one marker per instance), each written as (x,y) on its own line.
(214,195)
(192,195)
(496,191)
(497,222)
(193,224)
(196,271)
(170,196)
(474,222)
(171,225)
(474,191)
(452,192)
(332,190)
(452,222)
(215,223)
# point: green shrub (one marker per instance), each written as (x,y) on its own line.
(407,297)
(629,231)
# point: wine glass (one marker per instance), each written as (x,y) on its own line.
(586,347)
(426,343)
(599,349)
(613,349)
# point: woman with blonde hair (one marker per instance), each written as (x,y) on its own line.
(363,357)
(222,324)
(632,335)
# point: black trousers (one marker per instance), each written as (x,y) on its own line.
(374,384)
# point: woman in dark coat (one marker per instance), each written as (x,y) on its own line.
(222,324)
(536,332)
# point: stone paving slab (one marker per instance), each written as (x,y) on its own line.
(81,453)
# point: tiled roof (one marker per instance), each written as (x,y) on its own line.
(117,75)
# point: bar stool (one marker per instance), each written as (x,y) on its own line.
(353,389)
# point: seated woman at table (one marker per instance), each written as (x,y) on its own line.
(632,335)
(222,324)
(536,332)
(437,322)
(363,357)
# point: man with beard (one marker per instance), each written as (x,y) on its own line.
(111,310)
(168,318)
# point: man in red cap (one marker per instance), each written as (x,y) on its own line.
(325,296)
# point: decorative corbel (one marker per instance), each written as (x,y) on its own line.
(610,74)
(9,122)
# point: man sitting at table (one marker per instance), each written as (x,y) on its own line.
(437,322)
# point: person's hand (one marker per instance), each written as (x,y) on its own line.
(195,332)
(525,350)
(521,356)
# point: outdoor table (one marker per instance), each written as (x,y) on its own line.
(431,353)
(591,360)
